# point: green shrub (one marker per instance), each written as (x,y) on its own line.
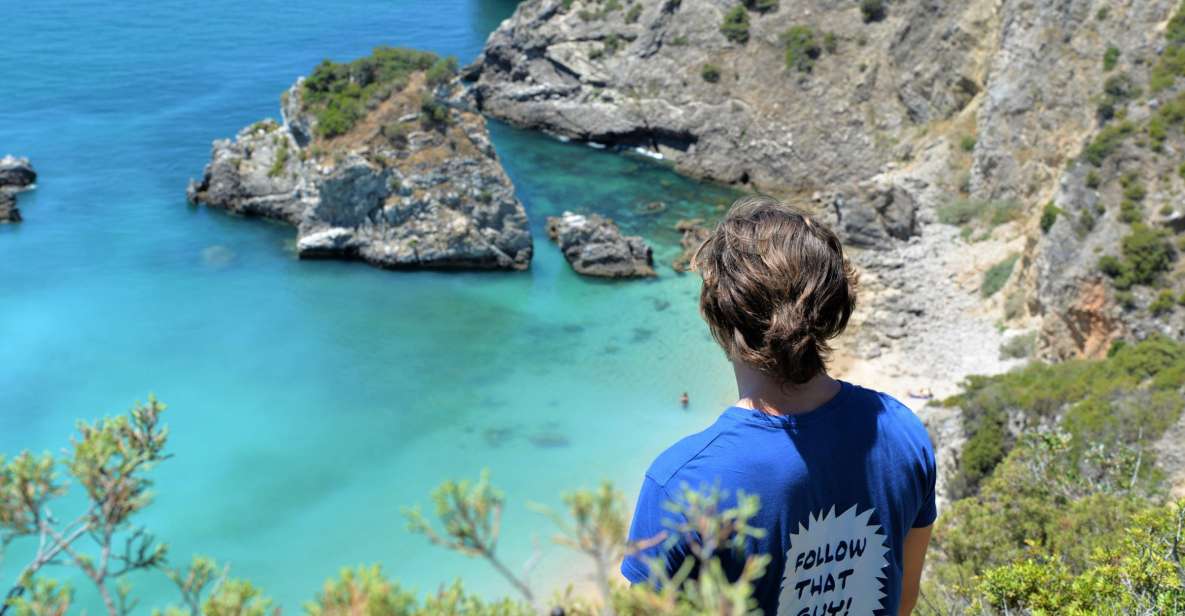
(1110,58)
(1102,13)
(961,212)
(736,25)
(1019,347)
(958,212)
(441,71)
(1121,399)
(1111,266)
(1130,211)
(967,143)
(612,43)
(1049,216)
(873,10)
(280,161)
(1157,132)
(1163,303)
(338,94)
(761,6)
(632,15)
(830,42)
(1093,180)
(1171,63)
(1106,142)
(710,73)
(433,112)
(802,48)
(1133,187)
(1147,252)
(997,275)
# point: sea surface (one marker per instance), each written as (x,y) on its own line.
(311,402)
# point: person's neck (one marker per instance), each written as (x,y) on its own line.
(759,392)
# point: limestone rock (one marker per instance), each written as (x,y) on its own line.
(594,246)
(398,190)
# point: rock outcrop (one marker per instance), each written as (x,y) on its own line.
(398,179)
(594,246)
(16,174)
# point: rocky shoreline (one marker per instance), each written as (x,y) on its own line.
(407,182)
(16,175)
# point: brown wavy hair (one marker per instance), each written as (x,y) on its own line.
(777,288)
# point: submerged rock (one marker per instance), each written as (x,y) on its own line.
(694,235)
(594,246)
(410,183)
(8,210)
(16,174)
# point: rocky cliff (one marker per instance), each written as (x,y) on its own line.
(899,121)
(1008,173)
(370,162)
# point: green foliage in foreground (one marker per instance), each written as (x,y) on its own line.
(1130,398)
(1065,518)
(339,94)
(1052,534)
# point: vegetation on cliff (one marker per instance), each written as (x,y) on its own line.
(340,94)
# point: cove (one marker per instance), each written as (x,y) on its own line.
(312,401)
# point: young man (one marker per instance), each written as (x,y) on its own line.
(845,474)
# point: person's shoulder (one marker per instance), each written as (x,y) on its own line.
(668,463)
(893,414)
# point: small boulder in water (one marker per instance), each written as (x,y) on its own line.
(16,174)
(8,211)
(594,246)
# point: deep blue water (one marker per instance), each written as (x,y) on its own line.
(312,401)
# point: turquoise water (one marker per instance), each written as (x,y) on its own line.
(312,401)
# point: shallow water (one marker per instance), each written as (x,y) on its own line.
(312,401)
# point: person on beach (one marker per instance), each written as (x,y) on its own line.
(845,475)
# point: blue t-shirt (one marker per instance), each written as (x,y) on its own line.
(840,487)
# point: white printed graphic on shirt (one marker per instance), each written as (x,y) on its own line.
(835,566)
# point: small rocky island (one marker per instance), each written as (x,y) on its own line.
(16,175)
(594,246)
(371,162)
